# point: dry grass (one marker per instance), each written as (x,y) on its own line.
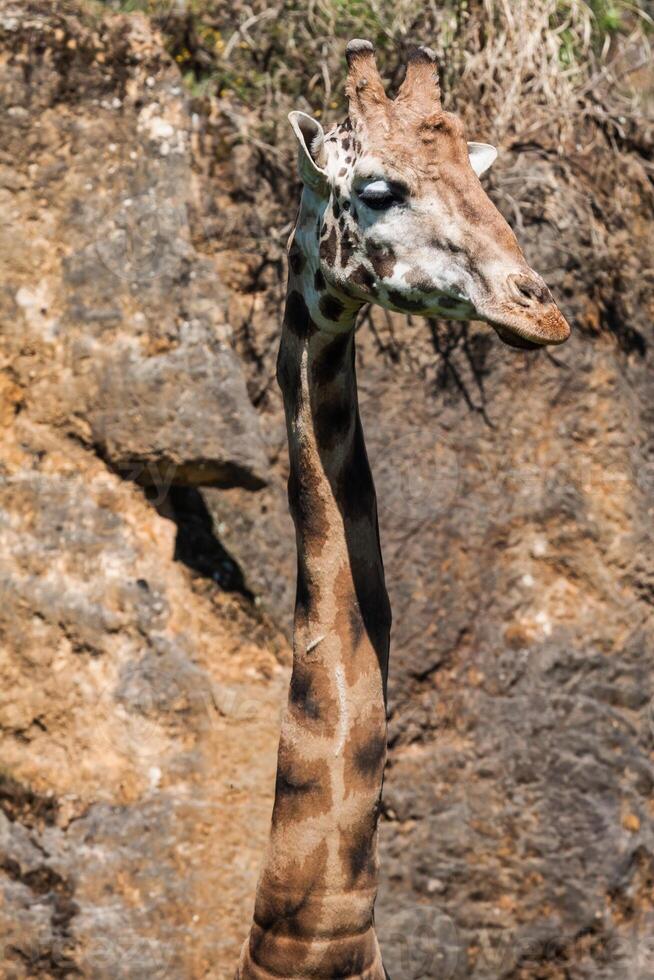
(514,59)
(548,63)
(543,75)
(569,81)
(555,73)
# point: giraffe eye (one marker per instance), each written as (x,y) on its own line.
(381,195)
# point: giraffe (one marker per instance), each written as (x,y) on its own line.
(392,212)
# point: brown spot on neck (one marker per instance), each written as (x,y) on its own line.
(303,786)
(297,317)
(335,357)
(331,307)
(306,504)
(359,852)
(328,248)
(332,420)
(296,259)
(369,755)
(355,492)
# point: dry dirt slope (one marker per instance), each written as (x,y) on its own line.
(139,699)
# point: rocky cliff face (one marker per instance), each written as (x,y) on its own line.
(147,555)
(139,700)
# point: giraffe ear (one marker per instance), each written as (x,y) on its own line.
(482,156)
(311,151)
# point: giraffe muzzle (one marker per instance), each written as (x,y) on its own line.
(529,290)
(528,329)
(527,316)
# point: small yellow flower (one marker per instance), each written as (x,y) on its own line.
(631,822)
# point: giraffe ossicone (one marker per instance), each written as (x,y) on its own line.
(392,212)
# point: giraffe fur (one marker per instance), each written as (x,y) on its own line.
(392,212)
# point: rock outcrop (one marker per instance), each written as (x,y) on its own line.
(125,322)
(133,689)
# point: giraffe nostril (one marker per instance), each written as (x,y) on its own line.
(528,290)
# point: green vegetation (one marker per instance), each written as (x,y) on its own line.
(601,22)
(242,49)
(517,60)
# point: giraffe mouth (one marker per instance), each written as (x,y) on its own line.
(539,328)
(529,318)
(515,340)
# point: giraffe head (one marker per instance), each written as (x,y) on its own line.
(393,212)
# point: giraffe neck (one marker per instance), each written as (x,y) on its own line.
(314,906)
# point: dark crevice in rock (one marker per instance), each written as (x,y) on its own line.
(560,953)
(196,544)
(24,807)
(636,886)
(49,886)
(18,803)
(45,963)
(158,473)
(630,340)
